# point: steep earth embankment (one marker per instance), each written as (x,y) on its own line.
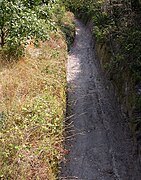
(101,146)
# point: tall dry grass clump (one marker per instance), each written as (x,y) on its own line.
(32,108)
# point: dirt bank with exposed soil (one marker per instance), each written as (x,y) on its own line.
(102,146)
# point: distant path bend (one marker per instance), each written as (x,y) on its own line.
(101,147)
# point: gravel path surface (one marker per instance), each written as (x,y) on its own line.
(100,145)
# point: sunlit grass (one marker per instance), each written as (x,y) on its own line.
(32,111)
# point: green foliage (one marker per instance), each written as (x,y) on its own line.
(104,25)
(57,10)
(19,23)
(69,31)
(68,28)
(131,50)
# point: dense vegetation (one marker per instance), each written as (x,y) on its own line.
(23,21)
(32,105)
(116,28)
(32,87)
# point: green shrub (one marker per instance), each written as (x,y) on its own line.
(22,23)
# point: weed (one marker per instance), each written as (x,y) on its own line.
(32,109)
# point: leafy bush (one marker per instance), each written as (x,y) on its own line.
(22,22)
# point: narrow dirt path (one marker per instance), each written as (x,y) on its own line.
(101,147)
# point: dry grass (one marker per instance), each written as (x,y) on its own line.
(32,108)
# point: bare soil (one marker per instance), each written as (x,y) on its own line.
(101,146)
